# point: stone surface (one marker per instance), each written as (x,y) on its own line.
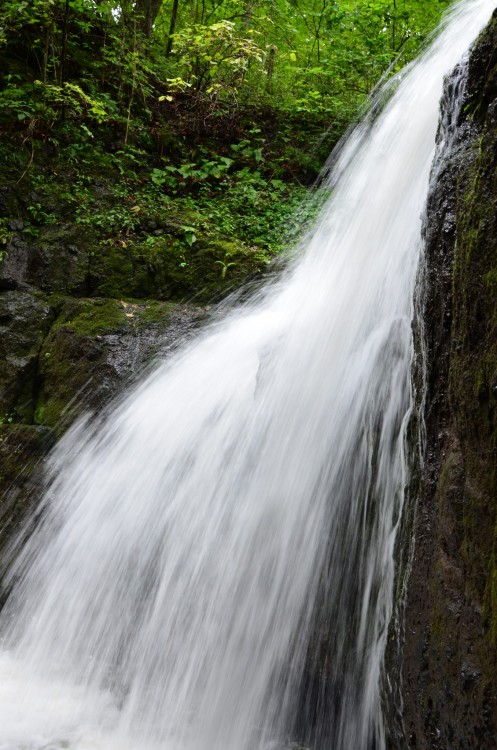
(98,346)
(24,322)
(449,651)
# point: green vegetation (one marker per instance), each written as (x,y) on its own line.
(219,114)
(152,68)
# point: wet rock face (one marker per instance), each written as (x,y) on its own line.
(56,262)
(449,671)
(22,449)
(24,321)
(61,357)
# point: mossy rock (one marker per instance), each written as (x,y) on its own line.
(91,317)
(52,242)
(96,346)
(57,260)
(24,322)
(72,367)
(168,268)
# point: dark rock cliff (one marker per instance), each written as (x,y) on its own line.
(449,669)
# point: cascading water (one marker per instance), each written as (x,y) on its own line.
(167,599)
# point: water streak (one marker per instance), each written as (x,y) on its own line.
(227,532)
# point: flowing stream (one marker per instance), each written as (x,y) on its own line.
(226,533)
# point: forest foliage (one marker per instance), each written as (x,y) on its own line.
(226,104)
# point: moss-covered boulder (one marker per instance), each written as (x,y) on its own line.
(60,357)
(96,346)
(171,266)
(172,262)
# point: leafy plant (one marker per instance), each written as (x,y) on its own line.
(5,234)
(214,58)
(224,266)
(190,236)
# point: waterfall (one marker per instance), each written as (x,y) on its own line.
(228,528)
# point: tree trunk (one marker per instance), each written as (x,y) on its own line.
(172,27)
(147,10)
(64,44)
(270,69)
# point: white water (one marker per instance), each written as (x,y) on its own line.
(168,598)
